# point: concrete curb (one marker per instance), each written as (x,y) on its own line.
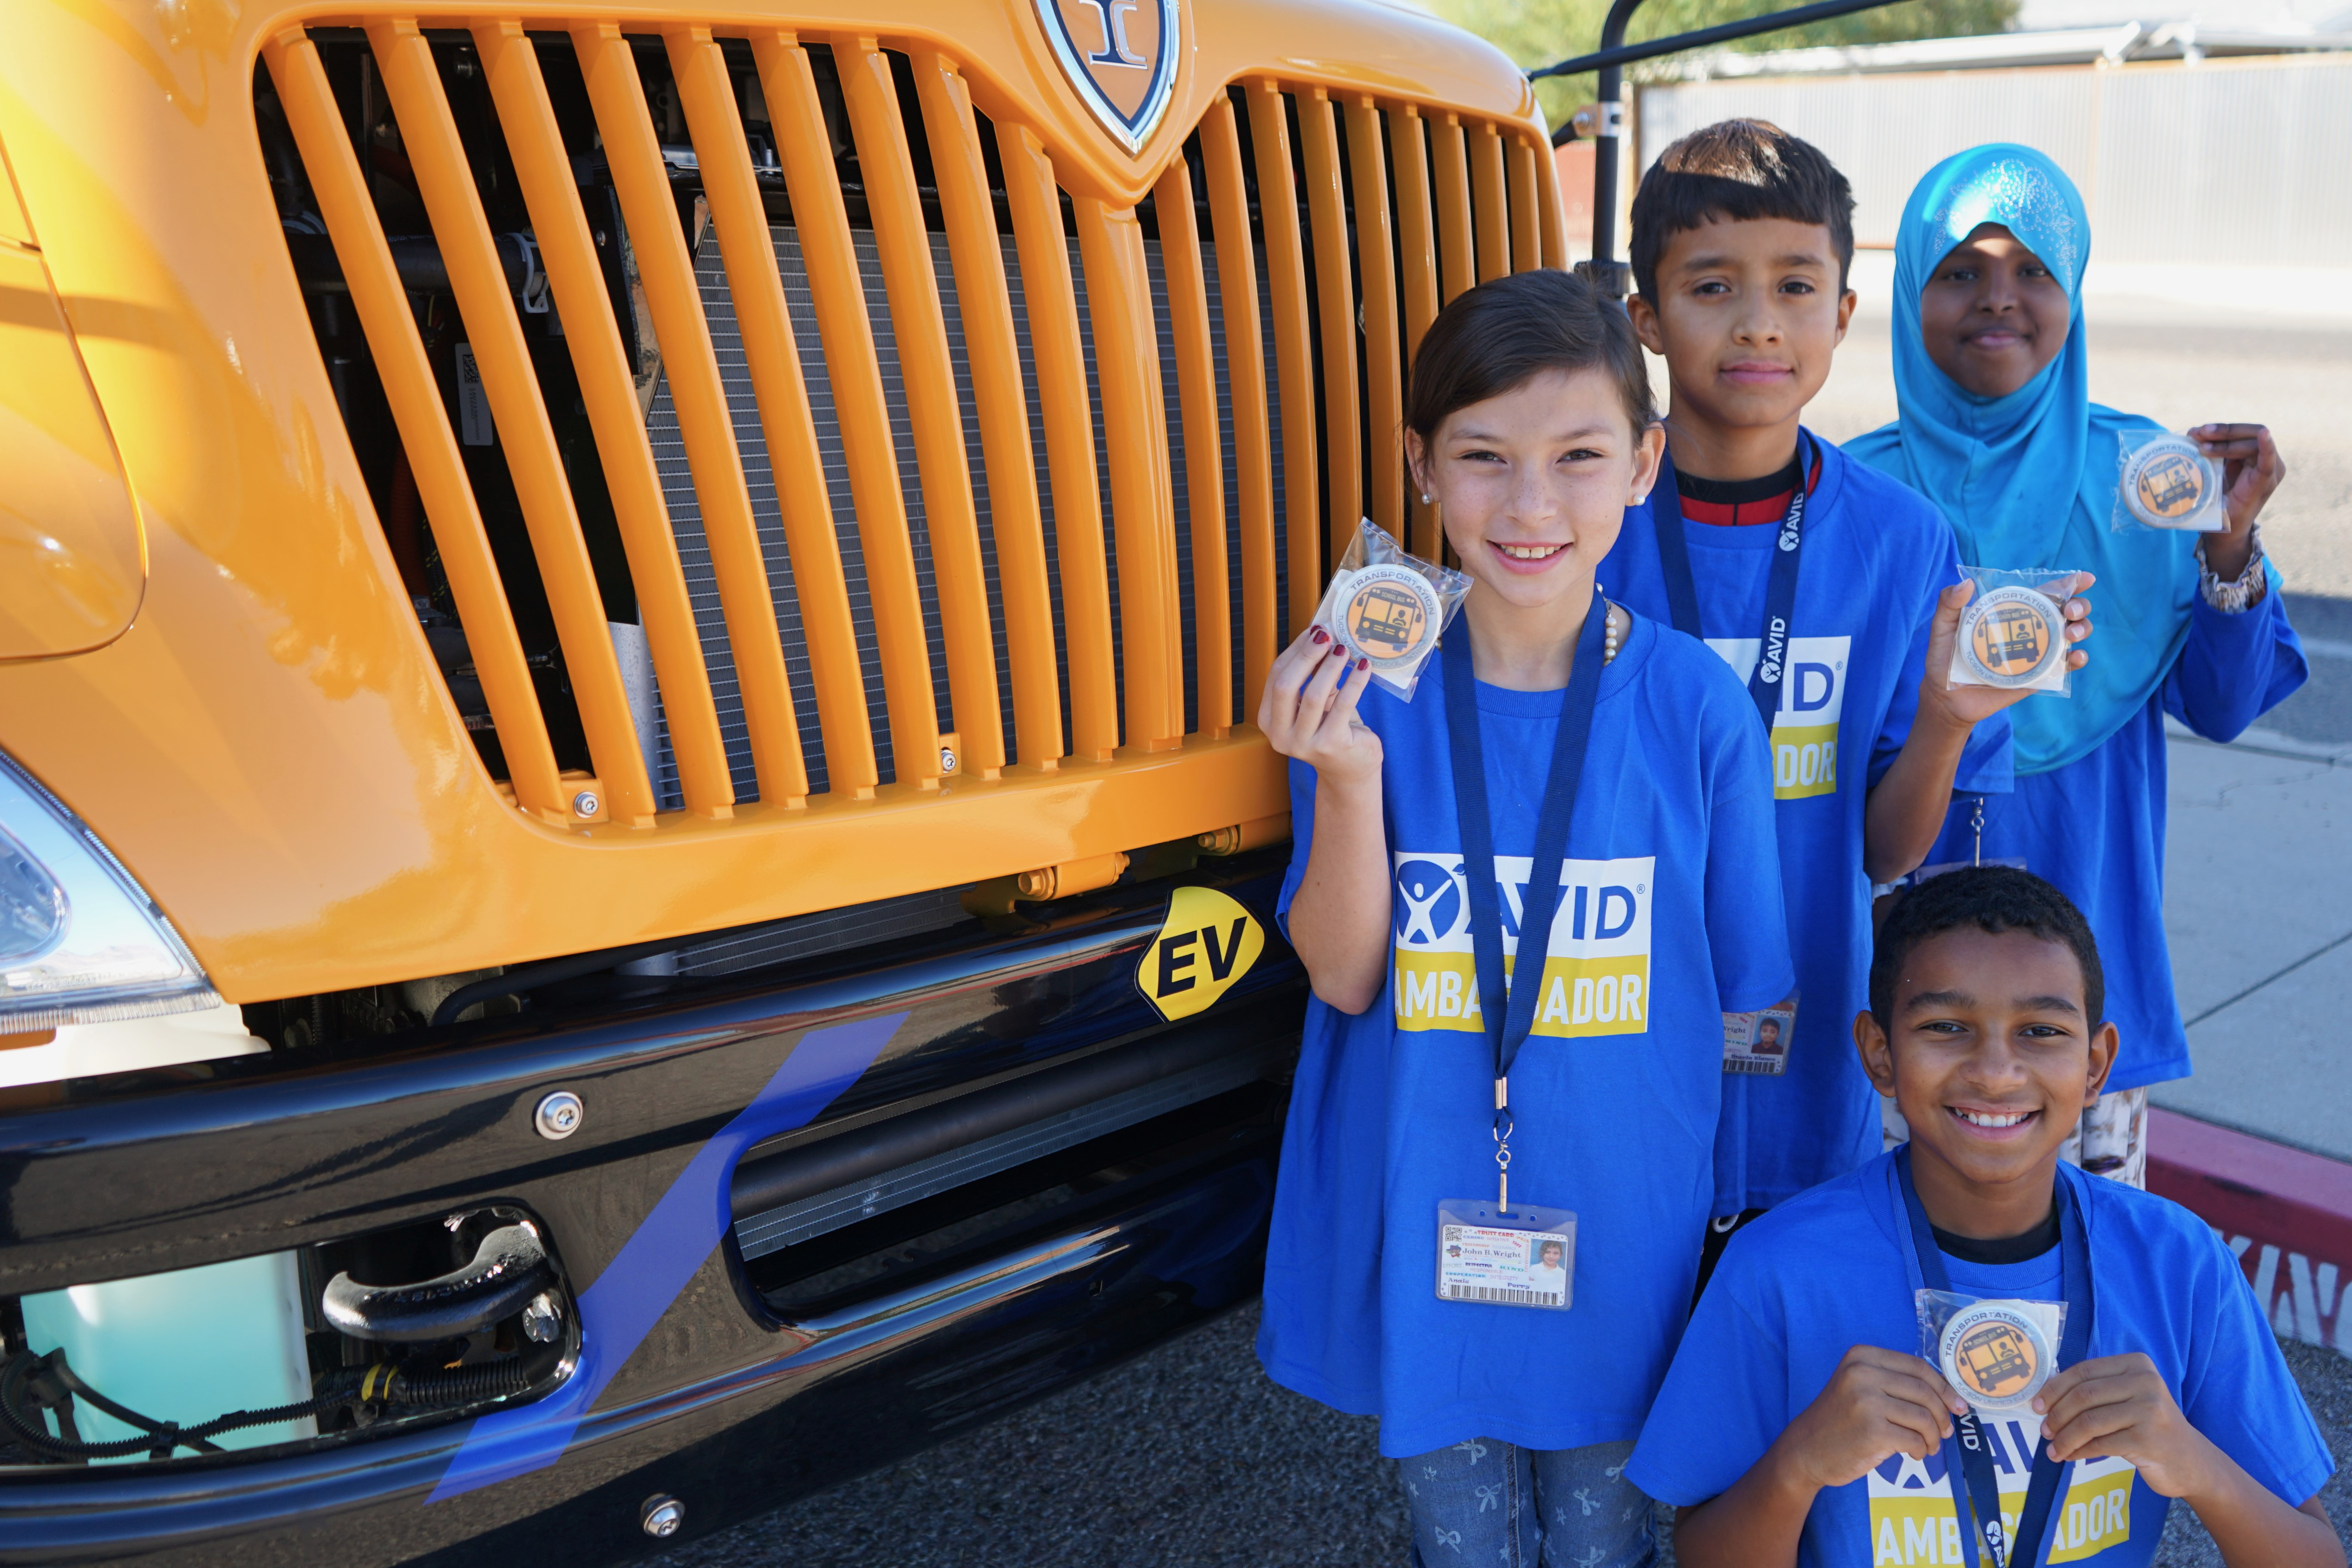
(2285,1213)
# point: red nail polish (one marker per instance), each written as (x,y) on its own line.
(1363,664)
(1321,636)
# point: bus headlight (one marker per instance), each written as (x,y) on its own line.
(81,942)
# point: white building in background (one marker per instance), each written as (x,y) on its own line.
(2267,16)
(2201,135)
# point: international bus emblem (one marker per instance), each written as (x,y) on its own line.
(1121,57)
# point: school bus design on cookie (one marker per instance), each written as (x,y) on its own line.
(1388,614)
(1996,1361)
(2011,633)
(2170,486)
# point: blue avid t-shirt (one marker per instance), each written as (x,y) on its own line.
(1832,1268)
(1875,555)
(2096,827)
(1669,915)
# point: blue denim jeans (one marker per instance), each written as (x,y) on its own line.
(1483,1503)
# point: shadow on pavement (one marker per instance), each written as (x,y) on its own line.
(2322,711)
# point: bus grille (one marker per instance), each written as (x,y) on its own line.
(910,463)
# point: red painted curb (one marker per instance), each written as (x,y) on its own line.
(2287,1213)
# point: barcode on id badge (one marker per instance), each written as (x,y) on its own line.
(1505,1297)
(1748,1064)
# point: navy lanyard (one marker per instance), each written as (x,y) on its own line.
(1965,1451)
(1508,1025)
(1779,592)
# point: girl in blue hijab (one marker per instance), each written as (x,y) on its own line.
(1991,377)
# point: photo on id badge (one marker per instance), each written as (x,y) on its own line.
(1758,1042)
(1812,701)
(1596,977)
(1521,1257)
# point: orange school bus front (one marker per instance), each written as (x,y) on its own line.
(633,876)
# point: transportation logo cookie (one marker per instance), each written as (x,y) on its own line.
(1996,1354)
(2011,635)
(2166,482)
(1389,615)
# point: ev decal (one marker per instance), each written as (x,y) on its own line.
(1121,57)
(1204,946)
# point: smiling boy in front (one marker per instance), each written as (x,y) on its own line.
(1827,586)
(1798,1423)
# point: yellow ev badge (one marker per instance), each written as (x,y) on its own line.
(1207,942)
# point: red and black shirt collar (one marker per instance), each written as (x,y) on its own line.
(1740,503)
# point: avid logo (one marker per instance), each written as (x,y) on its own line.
(1602,903)
(1429,902)
(1912,1522)
(1594,976)
(1789,531)
(1776,647)
(1811,675)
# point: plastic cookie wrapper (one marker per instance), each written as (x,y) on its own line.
(1524,1255)
(1388,607)
(2013,631)
(2163,481)
(1996,1353)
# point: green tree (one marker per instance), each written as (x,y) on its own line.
(1538,32)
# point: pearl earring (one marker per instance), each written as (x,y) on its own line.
(1428,499)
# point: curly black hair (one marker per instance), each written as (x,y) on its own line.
(1992,899)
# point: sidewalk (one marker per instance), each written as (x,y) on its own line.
(2258,910)
(2258,907)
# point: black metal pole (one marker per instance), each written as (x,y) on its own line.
(1613,54)
(1606,274)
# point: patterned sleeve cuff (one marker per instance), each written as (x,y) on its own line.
(2234,598)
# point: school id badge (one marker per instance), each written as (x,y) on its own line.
(1758,1042)
(1524,1257)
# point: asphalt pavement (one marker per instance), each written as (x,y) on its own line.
(1188,1456)
(1185,1458)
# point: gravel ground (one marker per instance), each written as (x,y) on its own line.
(1190,1458)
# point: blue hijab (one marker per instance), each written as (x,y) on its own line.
(2029,479)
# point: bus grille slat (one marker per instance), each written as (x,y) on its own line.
(1468,200)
